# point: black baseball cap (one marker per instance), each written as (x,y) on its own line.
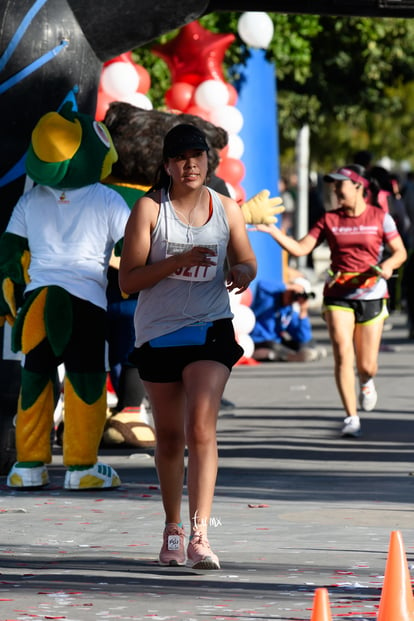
(183,137)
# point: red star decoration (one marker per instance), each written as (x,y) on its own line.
(195,54)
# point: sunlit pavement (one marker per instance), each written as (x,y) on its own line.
(296,507)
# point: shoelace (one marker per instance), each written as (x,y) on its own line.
(174,529)
(200,539)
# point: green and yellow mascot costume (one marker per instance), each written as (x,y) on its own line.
(54,258)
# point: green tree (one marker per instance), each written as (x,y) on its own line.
(361,70)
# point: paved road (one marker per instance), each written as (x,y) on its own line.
(296,508)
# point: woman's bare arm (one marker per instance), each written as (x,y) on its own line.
(297,248)
(397,258)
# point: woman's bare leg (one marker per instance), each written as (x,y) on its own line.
(367,345)
(341,325)
(204,383)
(168,406)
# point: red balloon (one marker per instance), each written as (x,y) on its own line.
(240,194)
(122,58)
(231,170)
(179,96)
(223,152)
(246,297)
(197,111)
(126,57)
(195,54)
(233,95)
(144,79)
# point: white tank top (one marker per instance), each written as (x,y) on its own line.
(192,294)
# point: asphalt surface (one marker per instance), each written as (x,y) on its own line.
(296,508)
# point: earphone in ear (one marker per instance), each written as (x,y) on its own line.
(168,171)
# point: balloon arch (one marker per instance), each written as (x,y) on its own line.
(194,58)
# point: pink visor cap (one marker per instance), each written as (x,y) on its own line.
(342,174)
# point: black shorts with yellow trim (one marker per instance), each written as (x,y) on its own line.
(166,364)
(365,311)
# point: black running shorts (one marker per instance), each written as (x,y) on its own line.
(365,311)
(166,364)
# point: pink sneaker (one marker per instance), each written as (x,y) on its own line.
(172,552)
(199,553)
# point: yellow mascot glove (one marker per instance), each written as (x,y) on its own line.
(25,263)
(7,287)
(260,209)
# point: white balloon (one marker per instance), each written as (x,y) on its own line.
(119,79)
(211,94)
(244,319)
(236,147)
(227,117)
(139,100)
(234,301)
(246,341)
(255,29)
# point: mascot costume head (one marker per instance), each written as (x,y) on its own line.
(57,247)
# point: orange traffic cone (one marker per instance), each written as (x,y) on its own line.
(321,610)
(397,601)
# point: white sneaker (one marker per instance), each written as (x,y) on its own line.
(322,351)
(368,396)
(97,477)
(352,426)
(27,477)
(307,354)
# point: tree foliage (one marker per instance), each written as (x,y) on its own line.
(351,79)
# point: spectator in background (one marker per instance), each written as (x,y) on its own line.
(283,331)
(315,209)
(363,158)
(390,200)
(408,198)
(408,276)
(288,217)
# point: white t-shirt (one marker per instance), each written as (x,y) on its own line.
(71,234)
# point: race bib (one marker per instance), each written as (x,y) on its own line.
(196,273)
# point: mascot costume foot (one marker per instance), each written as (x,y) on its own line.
(54,257)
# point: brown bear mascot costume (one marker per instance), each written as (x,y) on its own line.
(138,138)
